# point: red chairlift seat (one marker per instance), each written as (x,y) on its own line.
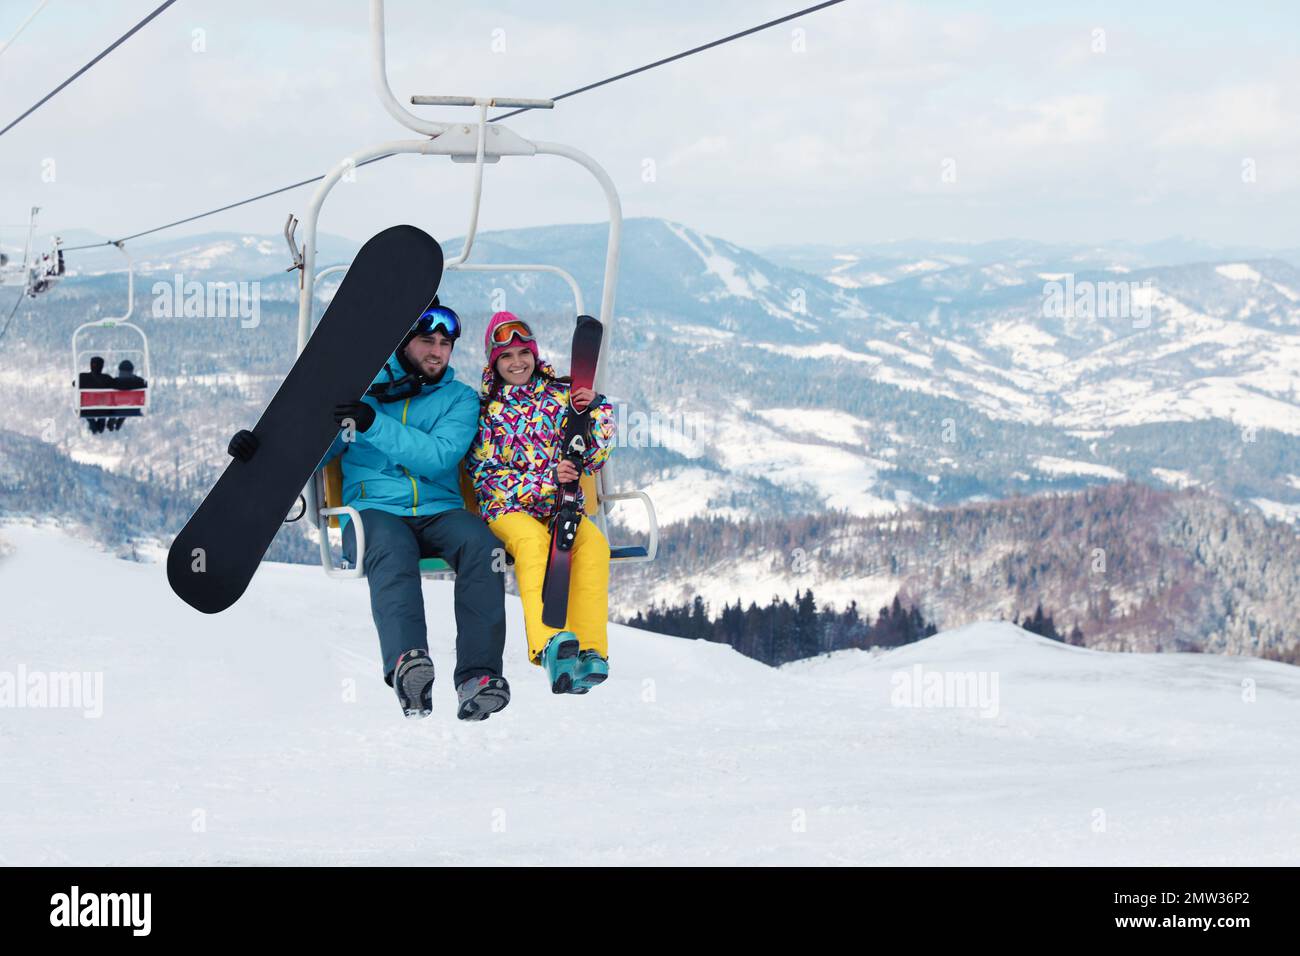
(112,402)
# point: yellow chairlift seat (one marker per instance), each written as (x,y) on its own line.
(333,493)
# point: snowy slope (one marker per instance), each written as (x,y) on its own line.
(882,345)
(228,740)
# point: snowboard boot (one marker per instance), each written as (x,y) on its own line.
(590,671)
(481,697)
(413,681)
(560,657)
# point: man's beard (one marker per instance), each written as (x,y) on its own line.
(422,367)
(433,373)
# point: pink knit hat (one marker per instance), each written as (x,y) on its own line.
(523,335)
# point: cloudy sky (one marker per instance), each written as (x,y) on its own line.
(876,120)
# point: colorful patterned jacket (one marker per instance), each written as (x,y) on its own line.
(513,457)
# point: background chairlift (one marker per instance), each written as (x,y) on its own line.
(46,271)
(112,402)
(479,144)
(36,274)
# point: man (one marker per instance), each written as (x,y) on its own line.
(402,445)
(126,379)
(95,378)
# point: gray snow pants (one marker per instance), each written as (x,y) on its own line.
(394,546)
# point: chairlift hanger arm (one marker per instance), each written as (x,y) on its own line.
(31,231)
(130,283)
(472,231)
(379,77)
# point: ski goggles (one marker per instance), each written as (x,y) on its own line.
(506,331)
(438,319)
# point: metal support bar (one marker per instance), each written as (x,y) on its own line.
(424,146)
(323,536)
(501,102)
(652,541)
(290,225)
(579,306)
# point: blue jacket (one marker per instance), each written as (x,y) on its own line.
(408,461)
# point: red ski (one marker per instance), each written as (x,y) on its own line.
(577,436)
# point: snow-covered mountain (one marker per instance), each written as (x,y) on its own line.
(875,263)
(947,380)
(265,735)
(750,387)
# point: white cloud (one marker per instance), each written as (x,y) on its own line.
(766,143)
(1248,115)
(1053,122)
(704,147)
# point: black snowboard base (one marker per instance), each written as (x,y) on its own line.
(393,279)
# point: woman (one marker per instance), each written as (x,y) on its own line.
(517,471)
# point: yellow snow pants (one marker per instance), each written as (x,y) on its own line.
(528,540)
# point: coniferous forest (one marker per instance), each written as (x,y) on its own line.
(783,631)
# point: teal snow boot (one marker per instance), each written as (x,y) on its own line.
(591,670)
(560,657)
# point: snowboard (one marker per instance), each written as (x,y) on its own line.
(392,280)
(577,435)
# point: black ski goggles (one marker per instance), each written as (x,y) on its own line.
(438,319)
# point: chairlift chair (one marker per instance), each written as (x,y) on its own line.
(36,274)
(112,402)
(478,143)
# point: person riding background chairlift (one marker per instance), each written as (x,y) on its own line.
(95,378)
(126,380)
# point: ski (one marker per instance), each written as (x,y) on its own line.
(568,516)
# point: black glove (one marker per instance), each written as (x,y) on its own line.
(360,413)
(243,446)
